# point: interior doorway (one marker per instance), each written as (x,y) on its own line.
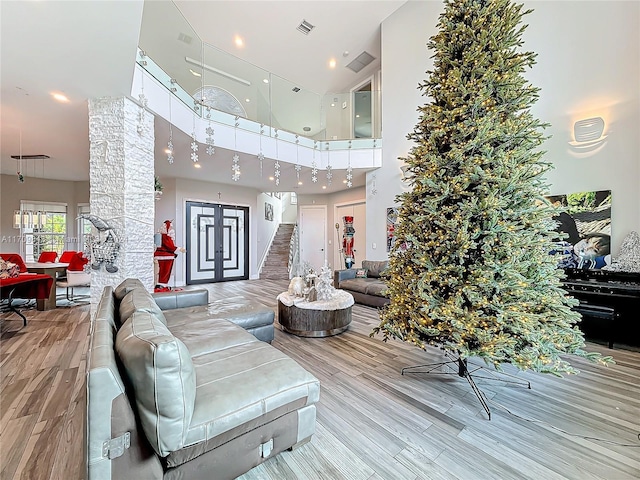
(217,242)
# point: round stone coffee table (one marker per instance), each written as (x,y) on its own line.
(315,319)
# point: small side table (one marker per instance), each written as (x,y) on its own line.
(315,319)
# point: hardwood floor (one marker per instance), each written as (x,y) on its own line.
(373,423)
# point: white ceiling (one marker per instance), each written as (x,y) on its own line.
(87,50)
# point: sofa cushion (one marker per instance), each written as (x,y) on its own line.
(209,335)
(238,310)
(162,374)
(126,286)
(376,288)
(139,300)
(357,284)
(361,273)
(375,268)
(243,383)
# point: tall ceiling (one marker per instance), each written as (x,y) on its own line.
(87,50)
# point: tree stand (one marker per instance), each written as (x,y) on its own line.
(459,366)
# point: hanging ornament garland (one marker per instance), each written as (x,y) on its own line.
(142,105)
(170,143)
(276,166)
(235,166)
(298,167)
(314,165)
(261,155)
(329,172)
(194,143)
(349,168)
(209,138)
(374,189)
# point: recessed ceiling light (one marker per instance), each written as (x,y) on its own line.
(265,80)
(197,165)
(357,116)
(332,63)
(333,104)
(193,72)
(271,178)
(238,41)
(324,187)
(60,97)
(167,150)
(247,100)
(299,183)
(344,181)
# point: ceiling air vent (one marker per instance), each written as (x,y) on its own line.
(296,89)
(31,157)
(361,61)
(305,27)
(183,37)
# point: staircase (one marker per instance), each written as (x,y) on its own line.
(275,266)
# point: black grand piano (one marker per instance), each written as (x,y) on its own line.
(609,304)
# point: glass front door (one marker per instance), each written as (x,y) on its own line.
(218,243)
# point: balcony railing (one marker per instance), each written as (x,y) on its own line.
(228,90)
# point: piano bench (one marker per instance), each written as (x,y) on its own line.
(599,312)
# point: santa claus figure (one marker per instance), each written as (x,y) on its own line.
(165,255)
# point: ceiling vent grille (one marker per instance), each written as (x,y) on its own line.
(296,89)
(305,27)
(183,37)
(31,157)
(360,62)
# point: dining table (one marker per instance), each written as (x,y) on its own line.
(51,269)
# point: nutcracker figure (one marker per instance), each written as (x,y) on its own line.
(347,242)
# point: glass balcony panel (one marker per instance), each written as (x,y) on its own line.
(295,109)
(234,86)
(168,39)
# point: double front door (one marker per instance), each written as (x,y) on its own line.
(218,242)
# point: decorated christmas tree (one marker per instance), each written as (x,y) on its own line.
(470,269)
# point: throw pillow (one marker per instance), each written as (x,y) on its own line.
(9,270)
(361,273)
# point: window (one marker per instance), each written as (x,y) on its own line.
(294,198)
(84,228)
(49,236)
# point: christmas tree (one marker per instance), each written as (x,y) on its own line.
(470,269)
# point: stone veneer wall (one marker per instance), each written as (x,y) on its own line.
(121,176)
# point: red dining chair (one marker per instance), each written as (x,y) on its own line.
(47,257)
(67,255)
(76,277)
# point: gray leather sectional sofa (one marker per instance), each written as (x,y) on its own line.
(185,391)
(367,291)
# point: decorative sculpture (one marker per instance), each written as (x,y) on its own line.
(104,247)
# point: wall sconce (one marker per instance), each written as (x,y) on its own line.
(588,133)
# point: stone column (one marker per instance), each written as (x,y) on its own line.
(121,176)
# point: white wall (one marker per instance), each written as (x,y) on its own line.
(588,64)
(266,229)
(289,211)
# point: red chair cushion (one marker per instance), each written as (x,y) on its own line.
(14,258)
(48,257)
(77,263)
(66,256)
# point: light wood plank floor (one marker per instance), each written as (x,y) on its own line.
(373,423)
